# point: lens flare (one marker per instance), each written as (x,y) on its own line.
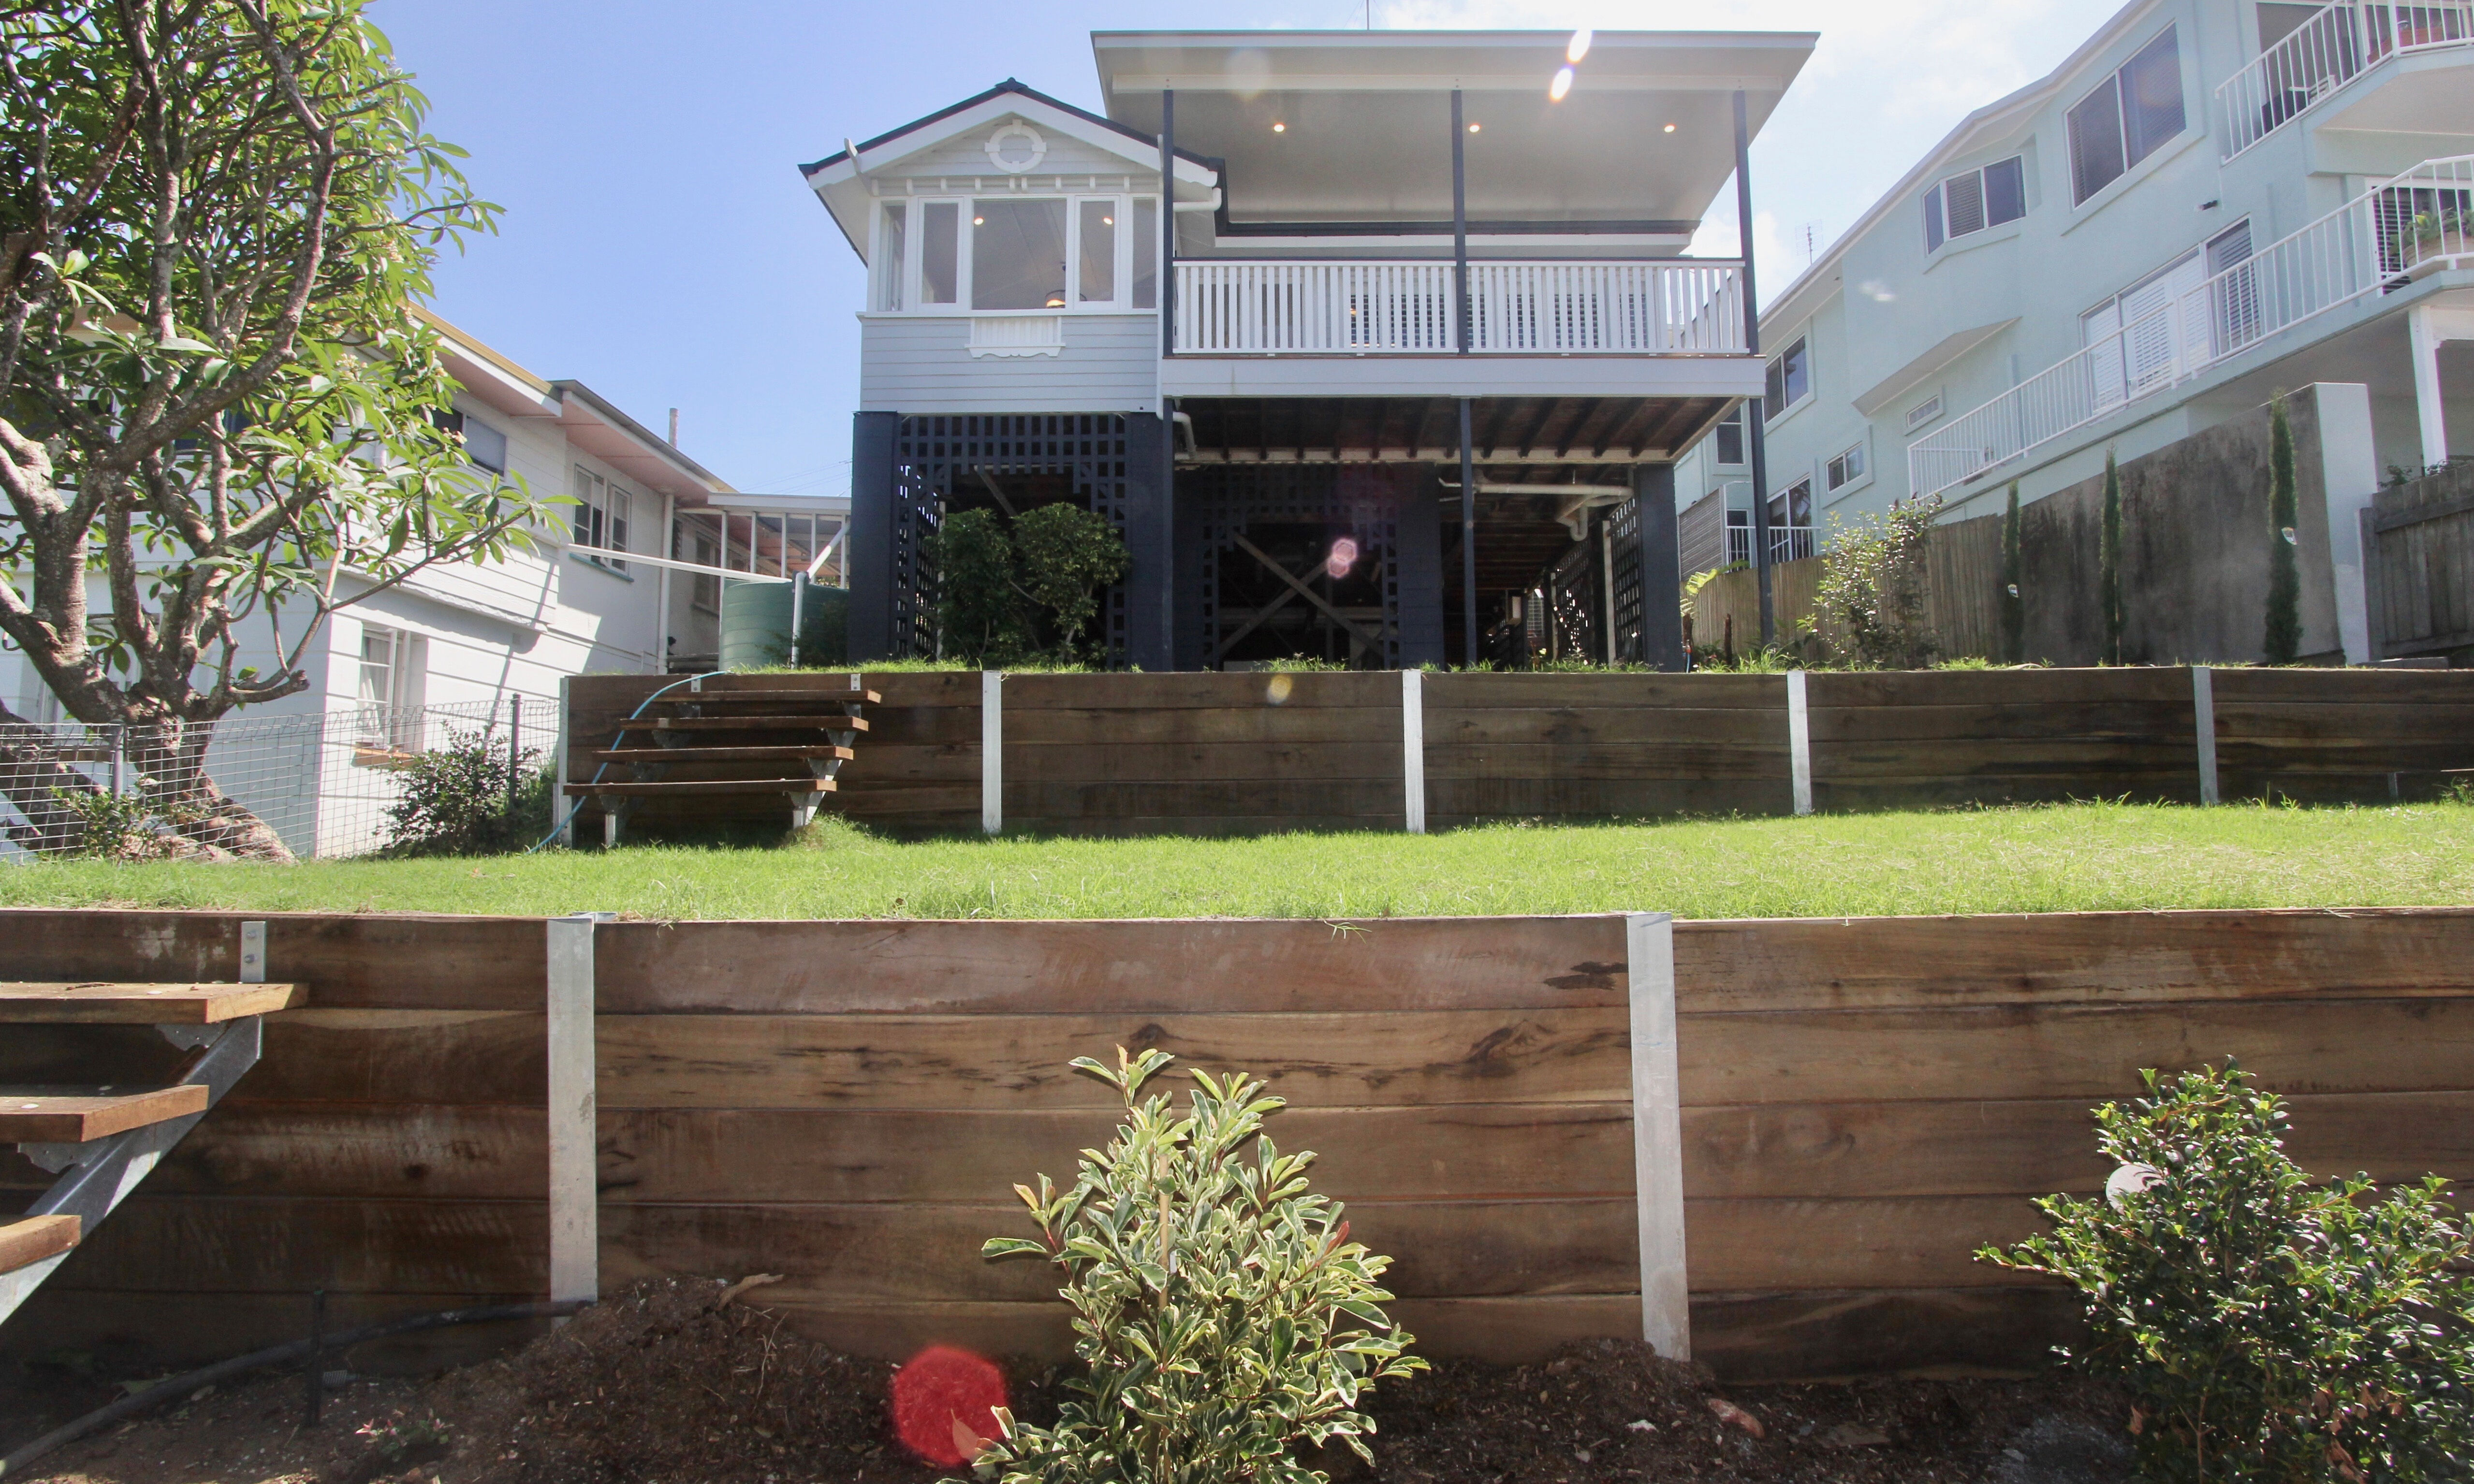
(943,1405)
(1580,46)
(1344,556)
(1563,83)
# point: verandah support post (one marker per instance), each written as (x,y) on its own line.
(869,554)
(1168,225)
(1468,542)
(1757,410)
(1658,1134)
(1460,231)
(1661,578)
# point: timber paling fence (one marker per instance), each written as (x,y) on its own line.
(1127,754)
(321,780)
(1796,1132)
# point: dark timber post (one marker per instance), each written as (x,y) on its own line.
(1161,551)
(1757,411)
(1461,342)
(1460,233)
(1468,542)
(870,553)
(1662,576)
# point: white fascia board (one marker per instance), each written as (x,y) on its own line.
(801,505)
(843,185)
(593,431)
(1462,376)
(1994,121)
(496,388)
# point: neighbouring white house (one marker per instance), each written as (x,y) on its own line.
(627,579)
(1416,336)
(2210,203)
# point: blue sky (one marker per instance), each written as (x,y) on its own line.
(659,245)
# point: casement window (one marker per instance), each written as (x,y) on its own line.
(1728,445)
(1976,199)
(394,673)
(1843,471)
(2128,117)
(1790,380)
(484,446)
(2182,315)
(1923,413)
(1017,254)
(601,518)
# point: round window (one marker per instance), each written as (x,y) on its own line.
(1017,147)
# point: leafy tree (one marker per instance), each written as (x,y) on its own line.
(1221,1312)
(2284,567)
(1873,586)
(217,403)
(2271,1328)
(2108,581)
(1001,591)
(2014,603)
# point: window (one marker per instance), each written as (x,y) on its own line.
(1729,445)
(1844,470)
(1972,202)
(484,446)
(394,668)
(889,253)
(2232,288)
(600,516)
(1790,382)
(1017,254)
(2128,117)
(1923,413)
(940,280)
(1096,252)
(1791,521)
(1147,252)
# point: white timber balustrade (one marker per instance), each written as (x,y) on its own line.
(2415,223)
(1676,308)
(2324,53)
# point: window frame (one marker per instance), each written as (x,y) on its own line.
(603,512)
(1861,451)
(1775,407)
(898,284)
(2117,81)
(1938,216)
(405,684)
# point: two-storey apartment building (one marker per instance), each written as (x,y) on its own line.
(1357,336)
(2210,203)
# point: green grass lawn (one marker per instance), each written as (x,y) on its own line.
(2074,857)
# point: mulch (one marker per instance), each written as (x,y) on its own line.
(666,1383)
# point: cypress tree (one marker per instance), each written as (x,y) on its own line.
(2014,606)
(2108,589)
(2284,567)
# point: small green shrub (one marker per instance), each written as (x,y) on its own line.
(2271,1329)
(454,800)
(1873,586)
(2284,637)
(1028,592)
(1222,1313)
(2108,565)
(2013,601)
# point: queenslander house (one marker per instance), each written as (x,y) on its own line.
(1362,339)
(2210,203)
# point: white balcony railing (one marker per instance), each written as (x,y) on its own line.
(1405,309)
(2379,241)
(2324,54)
(1787,544)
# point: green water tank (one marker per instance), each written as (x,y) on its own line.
(756,625)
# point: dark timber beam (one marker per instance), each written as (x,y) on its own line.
(1756,413)
(1661,578)
(871,556)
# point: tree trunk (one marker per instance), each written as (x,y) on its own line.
(196,818)
(184,814)
(34,774)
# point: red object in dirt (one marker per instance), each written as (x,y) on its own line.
(943,1401)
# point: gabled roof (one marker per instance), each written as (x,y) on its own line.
(838,178)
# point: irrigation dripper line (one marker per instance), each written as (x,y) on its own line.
(178,1386)
(559,827)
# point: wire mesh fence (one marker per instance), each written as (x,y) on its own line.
(323,781)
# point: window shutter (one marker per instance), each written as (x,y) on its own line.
(1966,196)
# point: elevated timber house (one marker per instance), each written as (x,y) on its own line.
(1399,359)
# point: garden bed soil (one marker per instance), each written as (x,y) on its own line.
(667,1383)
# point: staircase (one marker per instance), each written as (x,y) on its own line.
(101,1140)
(778,740)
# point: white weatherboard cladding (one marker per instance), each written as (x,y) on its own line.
(952,166)
(921,365)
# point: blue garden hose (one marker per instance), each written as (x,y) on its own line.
(559,827)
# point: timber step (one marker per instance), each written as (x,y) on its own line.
(106,1003)
(811,723)
(719,786)
(27,1240)
(787,754)
(74,1115)
(772,697)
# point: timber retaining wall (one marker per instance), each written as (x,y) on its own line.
(1861,1103)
